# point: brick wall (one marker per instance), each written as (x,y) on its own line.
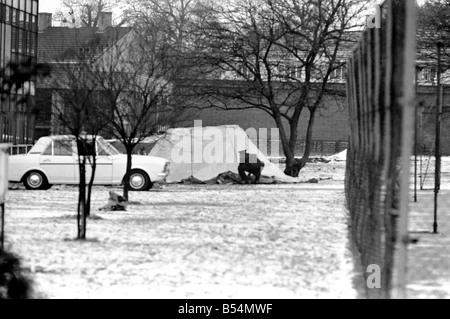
(330,131)
(331,127)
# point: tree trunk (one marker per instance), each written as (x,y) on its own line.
(309,139)
(286,144)
(292,164)
(81,213)
(292,167)
(126,182)
(82,202)
(90,185)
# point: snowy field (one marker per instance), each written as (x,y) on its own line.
(272,241)
(188,241)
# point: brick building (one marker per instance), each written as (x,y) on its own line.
(332,121)
(331,130)
(64,46)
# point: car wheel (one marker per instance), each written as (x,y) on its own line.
(36,181)
(139,181)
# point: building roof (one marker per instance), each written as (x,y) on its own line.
(64,44)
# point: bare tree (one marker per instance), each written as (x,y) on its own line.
(136,79)
(78,109)
(433,34)
(283,55)
(144,76)
(174,25)
(85,13)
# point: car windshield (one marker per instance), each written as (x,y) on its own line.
(111,149)
(41,145)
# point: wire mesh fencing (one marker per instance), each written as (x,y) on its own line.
(429,256)
(381,106)
(428,263)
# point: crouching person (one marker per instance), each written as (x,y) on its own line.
(249,163)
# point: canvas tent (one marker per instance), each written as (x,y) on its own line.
(205,152)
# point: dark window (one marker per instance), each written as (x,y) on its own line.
(8,15)
(62,148)
(48,151)
(101,151)
(33,24)
(2,13)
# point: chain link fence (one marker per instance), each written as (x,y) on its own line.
(428,273)
(381,106)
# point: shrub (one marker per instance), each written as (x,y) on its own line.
(13,284)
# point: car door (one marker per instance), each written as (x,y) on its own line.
(104,170)
(58,162)
(104,163)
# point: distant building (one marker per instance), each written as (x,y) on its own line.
(18,41)
(331,130)
(65,45)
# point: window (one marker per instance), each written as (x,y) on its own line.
(8,13)
(35,7)
(62,148)
(2,13)
(429,74)
(101,150)
(339,74)
(111,149)
(48,151)
(33,24)
(289,71)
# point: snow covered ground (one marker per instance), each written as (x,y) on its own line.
(200,241)
(271,241)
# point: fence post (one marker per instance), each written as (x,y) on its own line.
(4,148)
(437,182)
(407,144)
(381,108)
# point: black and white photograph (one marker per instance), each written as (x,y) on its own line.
(224,155)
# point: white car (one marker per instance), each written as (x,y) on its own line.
(54,160)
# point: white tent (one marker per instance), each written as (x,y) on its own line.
(206,152)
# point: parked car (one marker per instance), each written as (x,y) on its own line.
(54,160)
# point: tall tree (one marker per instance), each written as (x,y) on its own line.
(433,31)
(136,82)
(284,53)
(85,13)
(143,92)
(78,109)
(173,24)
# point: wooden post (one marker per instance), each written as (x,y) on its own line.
(4,148)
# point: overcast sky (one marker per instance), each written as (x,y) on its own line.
(52,5)
(48,5)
